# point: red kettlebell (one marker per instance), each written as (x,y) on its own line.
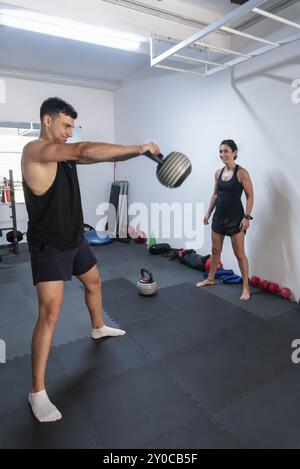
(141,238)
(285,293)
(265,285)
(255,281)
(207,265)
(273,288)
(131,232)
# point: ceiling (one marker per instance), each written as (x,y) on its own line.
(37,56)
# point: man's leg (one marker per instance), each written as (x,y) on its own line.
(50,298)
(93,298)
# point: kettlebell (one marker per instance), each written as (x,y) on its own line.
(146,284)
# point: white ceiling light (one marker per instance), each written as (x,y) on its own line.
(69,29)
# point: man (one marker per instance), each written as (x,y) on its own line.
(55,235)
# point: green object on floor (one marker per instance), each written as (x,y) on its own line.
(152,240)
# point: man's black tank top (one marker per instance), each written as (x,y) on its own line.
(229,204)
(56,218)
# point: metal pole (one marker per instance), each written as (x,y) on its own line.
(13,211)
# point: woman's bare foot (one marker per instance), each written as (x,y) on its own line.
(246,294)
(205,282)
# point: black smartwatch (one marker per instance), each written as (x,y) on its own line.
(248,217)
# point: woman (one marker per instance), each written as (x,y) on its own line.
(229,217)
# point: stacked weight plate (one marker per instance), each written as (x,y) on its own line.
(174,169)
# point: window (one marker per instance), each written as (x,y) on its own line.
(13,137)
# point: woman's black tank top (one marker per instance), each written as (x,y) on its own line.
(229,204)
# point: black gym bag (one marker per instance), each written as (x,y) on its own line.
(194,260)
(162,248)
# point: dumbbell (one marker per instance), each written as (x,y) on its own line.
(255,281)
(273,288)
(173,169)
(265,285)
(285,293)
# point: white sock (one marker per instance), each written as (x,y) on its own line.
(106,331)
(42,408)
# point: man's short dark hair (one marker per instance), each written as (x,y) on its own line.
(53,106)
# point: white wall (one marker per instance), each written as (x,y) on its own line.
(252,105)
(96,117)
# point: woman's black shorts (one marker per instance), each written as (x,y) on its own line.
(227,226)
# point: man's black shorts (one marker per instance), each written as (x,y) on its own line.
(49,263)
(227,226)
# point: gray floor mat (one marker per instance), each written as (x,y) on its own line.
(15,382)
(202,434)
(268,417)
(132,409)
(232,364)
(261,303)
(89,361)
(135,308)
(177,328)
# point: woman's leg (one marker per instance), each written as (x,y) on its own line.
(238,245)
(217,244)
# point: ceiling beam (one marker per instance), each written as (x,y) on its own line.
(236,13)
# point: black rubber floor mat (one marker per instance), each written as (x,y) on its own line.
(21,430)
(290,321)
(18,337)
(202,434)
(134,408)
(232,364)
(261,303)
(135,307)
(269,417)
(15,382)
(117,288)
(89,361)
(174,329)
(18,307)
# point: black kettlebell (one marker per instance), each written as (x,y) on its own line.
(173,169)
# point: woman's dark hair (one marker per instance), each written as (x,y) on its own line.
(53,106)
(231,144)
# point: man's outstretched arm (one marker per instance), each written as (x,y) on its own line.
(41,151)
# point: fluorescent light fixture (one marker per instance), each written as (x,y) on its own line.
(69,29)
(2,91)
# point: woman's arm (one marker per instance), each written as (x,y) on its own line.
(248,188)
(213,200)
